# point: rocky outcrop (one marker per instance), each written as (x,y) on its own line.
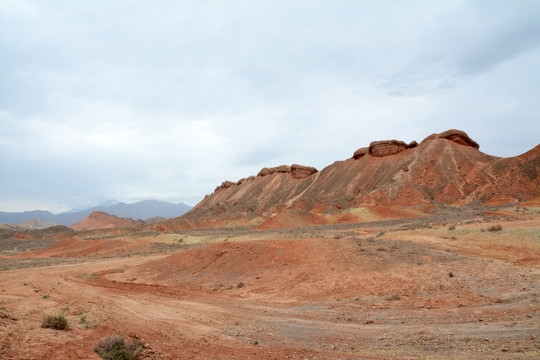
(244,180)
(265,171)
(383,148)
(302,172)
(412,144)
(273,170)
(225,185)
(286,169)
(360,153)
(386,147)
(241,181)
(457,136)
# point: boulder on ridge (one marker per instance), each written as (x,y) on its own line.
(386,147)
(358,154)
(457,136)
(302,172)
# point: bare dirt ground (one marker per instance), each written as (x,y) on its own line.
(438,287)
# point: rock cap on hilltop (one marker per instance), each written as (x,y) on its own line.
(457,136)
(225,185)
(358,154)
(386,147)
(412,144)
(278,169)
(301,171)
(244,180)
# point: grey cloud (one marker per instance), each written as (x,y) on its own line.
(127,98)
(468,42)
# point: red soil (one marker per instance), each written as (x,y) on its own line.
(77,247)
(341,297)
(290,219)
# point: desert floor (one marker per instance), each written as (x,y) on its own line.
(442,286)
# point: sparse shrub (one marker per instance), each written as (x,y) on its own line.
(393,297)
(240,285)
(45,296)
(86,324)
(115,347)
(381,233)
(494,228)
(452,227)
(57,322)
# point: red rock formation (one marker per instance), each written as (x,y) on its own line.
(440,170)
(457,136)
(283,169)
(302,172)
(386,147)
(266,171)
(245,180)
(360,153)
(273,170)
(225,185)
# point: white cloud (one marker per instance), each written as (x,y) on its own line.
(166,100)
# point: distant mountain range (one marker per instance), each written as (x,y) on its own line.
(141,210)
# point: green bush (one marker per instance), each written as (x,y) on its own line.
(115,347)
(58,322)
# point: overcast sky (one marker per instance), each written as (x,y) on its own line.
(135,100)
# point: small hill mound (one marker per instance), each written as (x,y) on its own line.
(53,232)
(37,223)
(316,269)
(291,219)
(154,220)
(101,220)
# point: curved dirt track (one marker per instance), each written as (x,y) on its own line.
(369,293)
